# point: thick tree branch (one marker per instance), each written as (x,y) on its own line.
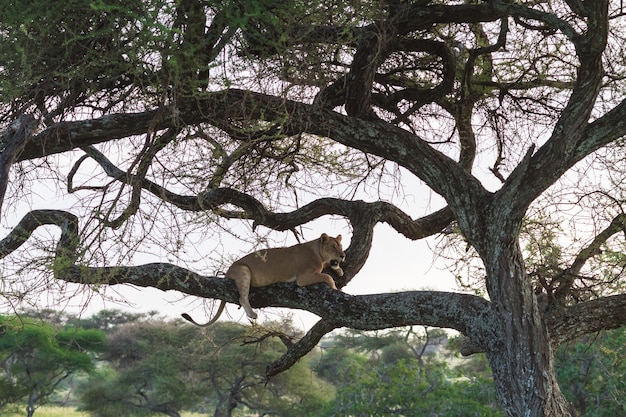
(370,53)
(12,143)
(466,313)
(460,311)
(589,317)
(569,323)
(602,131)
(440,172)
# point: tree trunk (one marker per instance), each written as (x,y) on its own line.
(227,404)
(30,406)
(519,352)
(222,407)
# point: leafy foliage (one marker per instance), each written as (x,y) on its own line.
(153,366)
(592,373)
(156,367)
(407,387)
(385,384)
(35,358)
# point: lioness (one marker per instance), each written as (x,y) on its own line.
(302,263)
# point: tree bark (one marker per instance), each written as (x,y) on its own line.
(520,352)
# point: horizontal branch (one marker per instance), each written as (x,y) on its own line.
(371,312)
(604,313)
(221,108)
(366,312)
(469,314)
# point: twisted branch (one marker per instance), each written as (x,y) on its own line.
(363,216)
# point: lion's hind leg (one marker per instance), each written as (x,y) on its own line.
(243,277)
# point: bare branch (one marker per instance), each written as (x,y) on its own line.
(301,348)
(363,216)
(566,279)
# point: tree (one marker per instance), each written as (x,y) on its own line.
(592,372)
(148,372)
(158,367)
(400,376)
(408,388)
(36,358)
(189,119)
(234,358)
(107,320)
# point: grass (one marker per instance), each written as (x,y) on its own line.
(50,411)
(46,411)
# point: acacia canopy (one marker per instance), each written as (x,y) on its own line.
(166,120)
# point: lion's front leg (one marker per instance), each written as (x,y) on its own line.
(314,278)
(337,269)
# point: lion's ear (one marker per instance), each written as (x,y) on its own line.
(324,236)
(338,238)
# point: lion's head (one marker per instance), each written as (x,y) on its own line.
(332,252)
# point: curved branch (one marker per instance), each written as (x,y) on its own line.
(362,312)
(362,215)
(440,172)
(67,247)
(254,210)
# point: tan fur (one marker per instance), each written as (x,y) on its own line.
(302,263)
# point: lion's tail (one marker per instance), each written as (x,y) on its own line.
(220,310)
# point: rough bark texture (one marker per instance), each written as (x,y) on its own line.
(521,356)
